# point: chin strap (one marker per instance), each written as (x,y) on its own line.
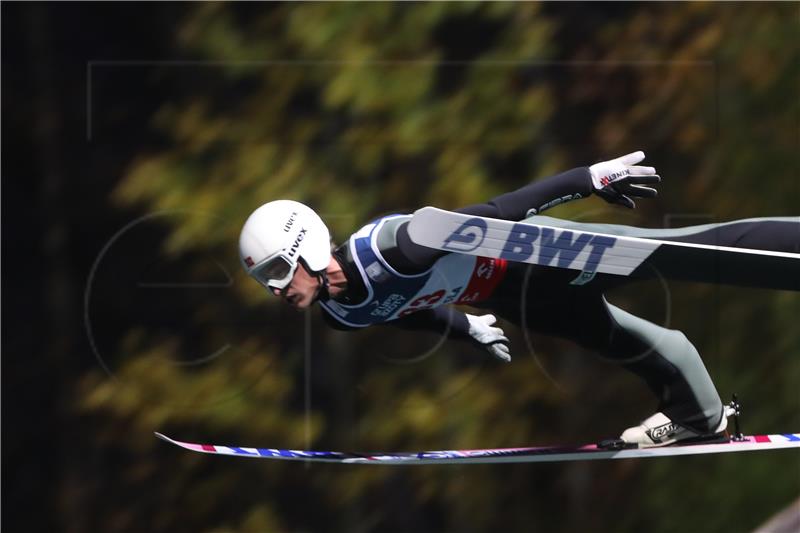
(322,276)
(323,295)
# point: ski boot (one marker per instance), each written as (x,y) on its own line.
(659,430)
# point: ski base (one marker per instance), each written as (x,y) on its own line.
(540,454)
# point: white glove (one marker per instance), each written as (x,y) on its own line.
(493,339)
(617,180)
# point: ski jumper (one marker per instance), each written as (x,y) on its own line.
(392,280)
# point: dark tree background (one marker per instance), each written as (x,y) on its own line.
(137,137)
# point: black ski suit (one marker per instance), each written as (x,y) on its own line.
(542,299)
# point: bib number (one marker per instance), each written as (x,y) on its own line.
(429,301)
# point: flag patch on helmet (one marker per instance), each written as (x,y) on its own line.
(248,261)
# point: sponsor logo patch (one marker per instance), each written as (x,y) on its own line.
(583,278)
(467,237)
(558,249)
(297,241)
(554,247)
(553,203)
(376,272)
(389,305)
(661,432)
(290,222)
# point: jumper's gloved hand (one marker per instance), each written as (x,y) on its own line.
(493,339)
(617,180)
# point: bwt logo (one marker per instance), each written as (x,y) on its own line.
(553,247)
(467,237)
(564,247)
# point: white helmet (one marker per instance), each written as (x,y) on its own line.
(278,235)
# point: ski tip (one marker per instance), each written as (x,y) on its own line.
(163,437)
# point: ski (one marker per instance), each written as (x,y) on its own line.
(565,244)
(542,454)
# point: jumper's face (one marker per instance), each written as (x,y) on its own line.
(301,291)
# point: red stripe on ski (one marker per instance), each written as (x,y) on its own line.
(761,438)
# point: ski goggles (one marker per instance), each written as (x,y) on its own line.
(275,272)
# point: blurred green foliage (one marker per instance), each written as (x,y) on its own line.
(364,109)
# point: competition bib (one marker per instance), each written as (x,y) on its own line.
(452,279)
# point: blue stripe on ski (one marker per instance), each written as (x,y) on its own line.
(242,451)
